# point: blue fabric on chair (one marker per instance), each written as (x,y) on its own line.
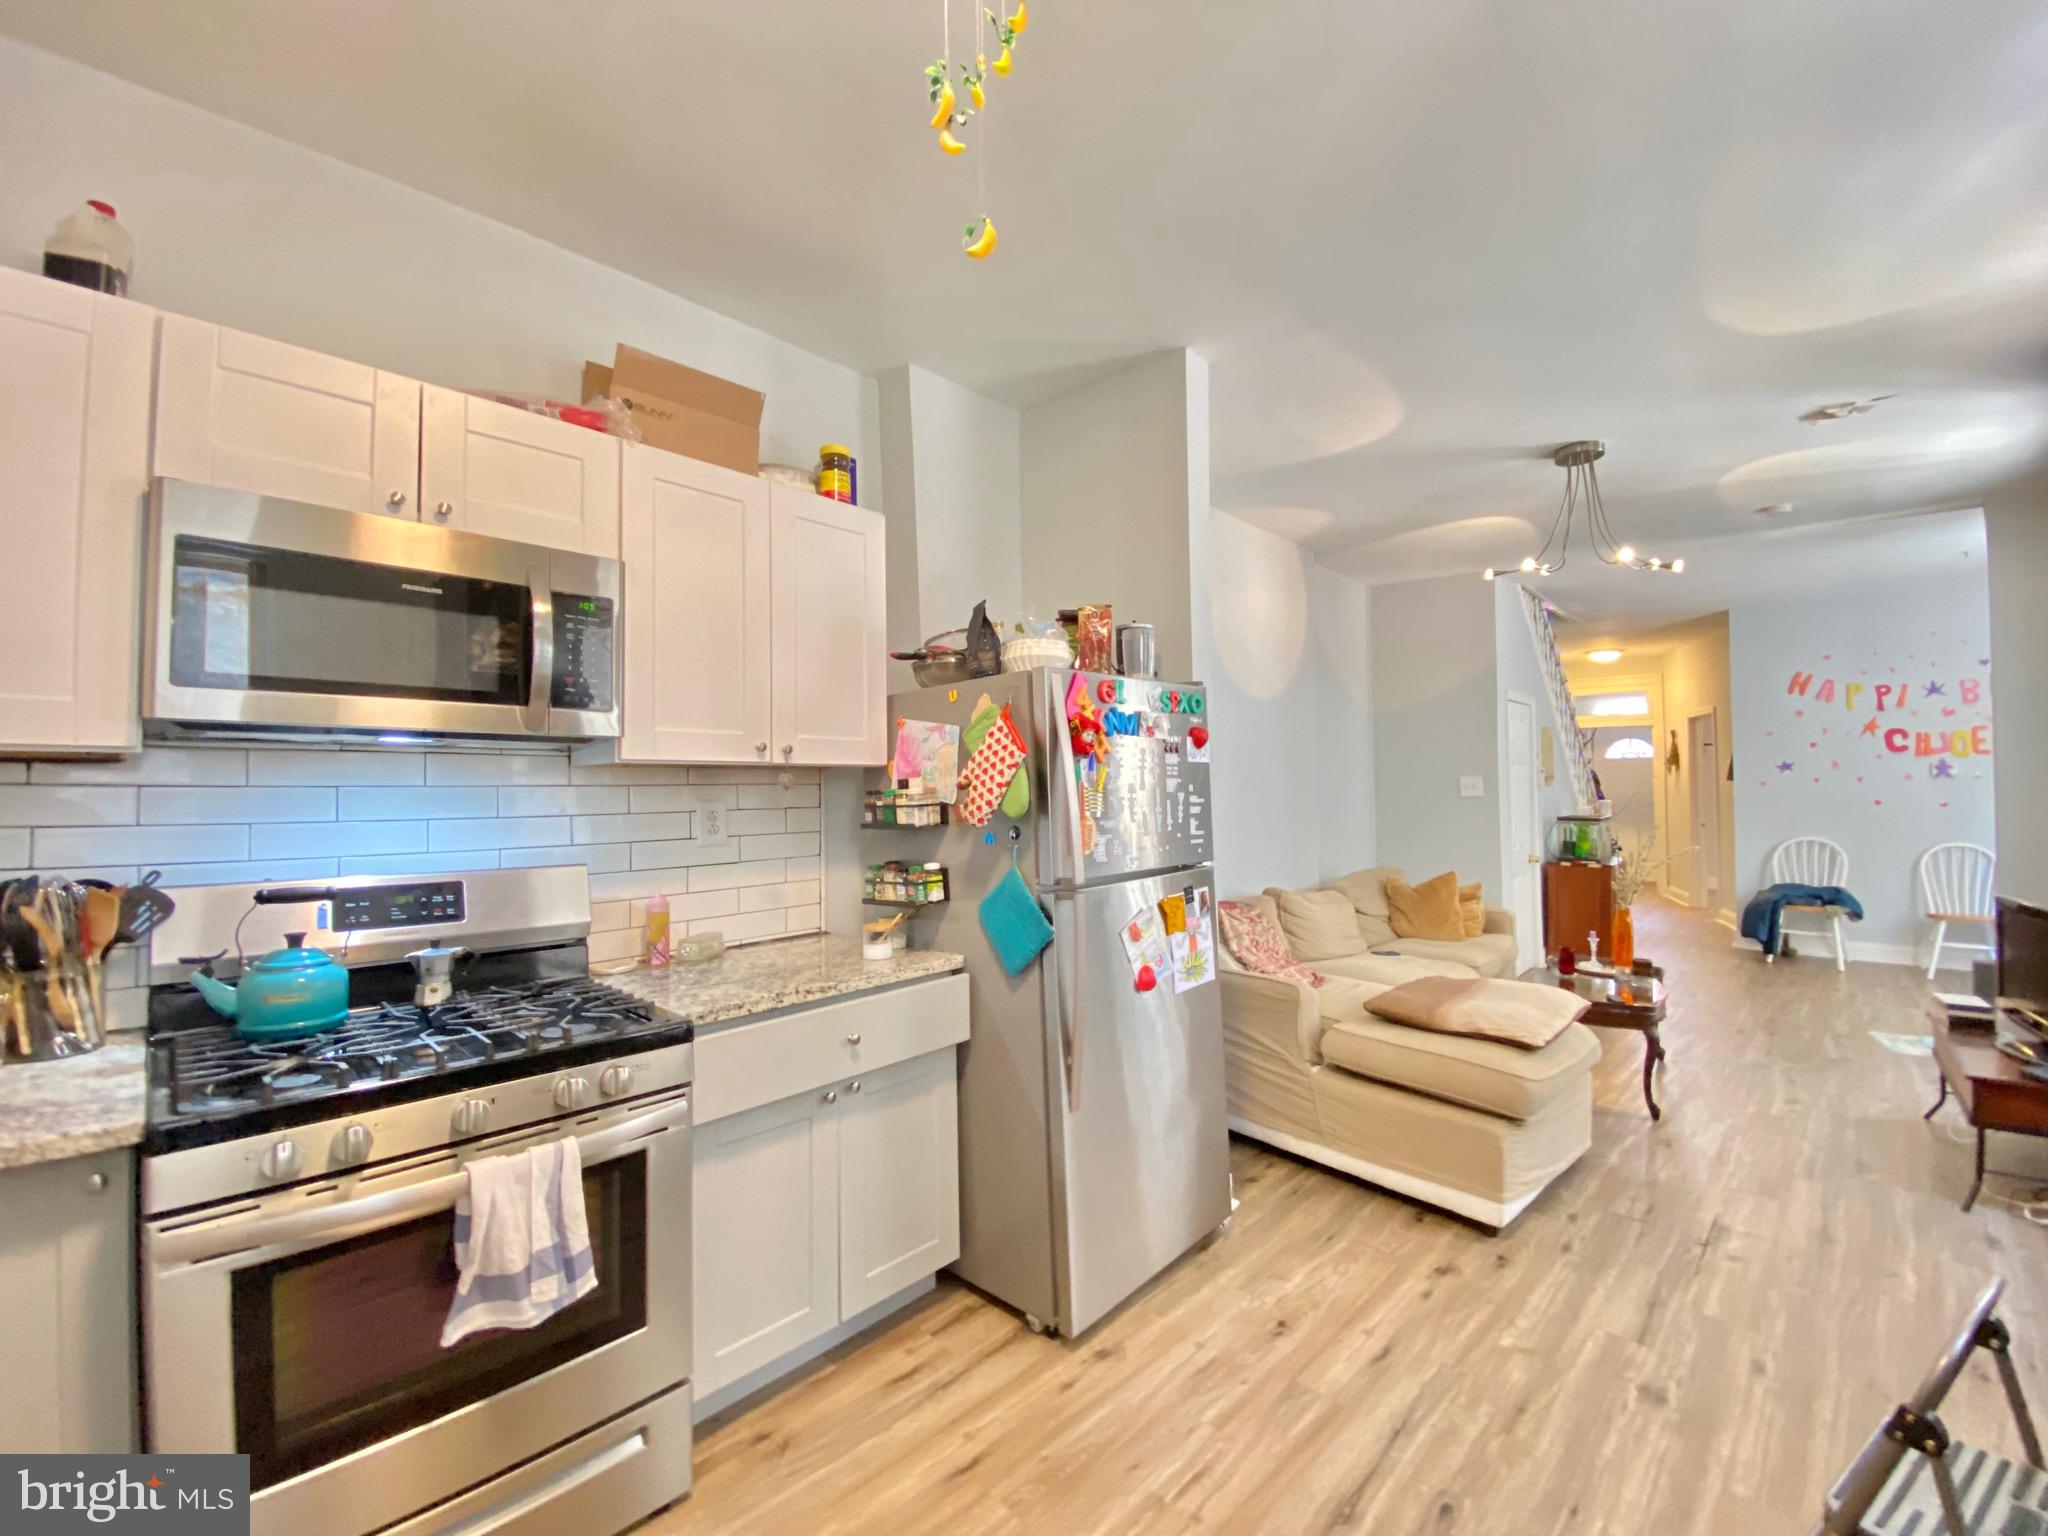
(1011,918)
(1766,910)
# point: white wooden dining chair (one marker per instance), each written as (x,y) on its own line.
(1956,883)
(1812,861)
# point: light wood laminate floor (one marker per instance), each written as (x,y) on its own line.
(1688,1332)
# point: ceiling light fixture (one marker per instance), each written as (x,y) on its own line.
(1582,495)
(1606,657)
(1840,409)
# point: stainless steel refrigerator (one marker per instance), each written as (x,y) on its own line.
(1094,1150)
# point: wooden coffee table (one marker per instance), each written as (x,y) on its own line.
(1995,1093)
(1621,1002)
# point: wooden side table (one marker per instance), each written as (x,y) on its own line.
(1996,1094)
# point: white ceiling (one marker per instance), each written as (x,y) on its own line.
(1420,244)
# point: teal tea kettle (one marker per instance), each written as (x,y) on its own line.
(289,992)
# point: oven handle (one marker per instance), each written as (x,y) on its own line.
(540,589)
(239,1234)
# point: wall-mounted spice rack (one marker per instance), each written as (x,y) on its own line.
(906,884)
(902,810)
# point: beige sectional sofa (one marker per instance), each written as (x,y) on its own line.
(1471,1126)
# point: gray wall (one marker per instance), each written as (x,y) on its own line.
(2016,531)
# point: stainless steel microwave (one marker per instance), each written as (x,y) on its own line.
(274,617)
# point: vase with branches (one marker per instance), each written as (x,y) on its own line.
(1634,870)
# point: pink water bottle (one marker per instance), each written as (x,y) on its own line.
(657,931)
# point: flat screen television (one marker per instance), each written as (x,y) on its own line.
(2023,960)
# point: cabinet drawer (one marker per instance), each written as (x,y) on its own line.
(745,1065)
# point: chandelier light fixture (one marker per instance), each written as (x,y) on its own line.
(1582,500)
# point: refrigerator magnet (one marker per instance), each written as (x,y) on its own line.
(1173,912)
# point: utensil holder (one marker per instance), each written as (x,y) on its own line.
(51,1014)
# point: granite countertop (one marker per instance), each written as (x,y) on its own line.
(51,1110)
(782,973)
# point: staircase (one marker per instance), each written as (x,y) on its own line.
(1578,765)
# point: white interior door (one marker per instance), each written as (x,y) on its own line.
(74,477)
(698,596)
(830,636)
(497,470)
(899,1179)
(765,1247)
(1704,768)
(1524,857)
(257,415)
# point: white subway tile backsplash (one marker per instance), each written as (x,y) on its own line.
(782,845)
(810,820)
(237,872)
(161,807)
(497,768)
(772,796)
(498,832)
(617,944)
(567,800)
(680,797)
(760,898)
(753,821)
(681,853)
(684,905)
(368,804)
(634,829)
(140,845)
(113,874)
(312,838)
(599,858)
(719,877)
(152,765)
(805,869)
(13,847)
(746,925)
(63,805)
(804,919)
(334,766)
(755,775)
(418,863)
(14,773)
(607,915)
(627,773)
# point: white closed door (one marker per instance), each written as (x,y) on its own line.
(1523,856)
(74,486)
(765,1245)
(830,642)
(899,1178)
(511,474)
(698,595)
(257,415)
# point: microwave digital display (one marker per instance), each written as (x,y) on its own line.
(584,652)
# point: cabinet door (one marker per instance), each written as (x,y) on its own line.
(830,631)
(258,415)
(74,483)
(67,1266)
(498,470)
(899,1178)
(697,591)
(766,1238)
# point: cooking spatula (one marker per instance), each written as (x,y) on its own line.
(143,906)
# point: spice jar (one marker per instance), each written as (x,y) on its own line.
(838,475)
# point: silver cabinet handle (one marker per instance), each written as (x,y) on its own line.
(831,1096)
(788,750)
(853,1039)
(96,1183)
(395,499)
(761,748)
(444,509)
(854,1086)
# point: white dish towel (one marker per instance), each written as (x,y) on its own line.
(522,1243)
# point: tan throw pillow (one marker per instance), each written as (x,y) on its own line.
(1425,911)
(1472,910)
(1319,924)
(1518,1013)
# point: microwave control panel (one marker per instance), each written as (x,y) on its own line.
(585,652)
(414,905)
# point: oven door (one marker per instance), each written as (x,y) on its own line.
(268,614)
(303,1328)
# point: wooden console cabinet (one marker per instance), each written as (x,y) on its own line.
(1578,898)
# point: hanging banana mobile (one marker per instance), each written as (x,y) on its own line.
(950,112)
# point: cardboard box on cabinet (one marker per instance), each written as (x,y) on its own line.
(683,410)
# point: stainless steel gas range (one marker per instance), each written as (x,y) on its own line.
(297,1216)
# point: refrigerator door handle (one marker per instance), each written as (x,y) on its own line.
(1067,793)
(1069,996)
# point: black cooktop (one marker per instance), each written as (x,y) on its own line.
(511,1016)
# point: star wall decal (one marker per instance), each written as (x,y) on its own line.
(1943,768)
(1869,727)
(1935,690)
(1784,767)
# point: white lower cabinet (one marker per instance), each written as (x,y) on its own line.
(67,1336)
(818,1205)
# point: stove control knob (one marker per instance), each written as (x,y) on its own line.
(615,1082)
(352,1144)
(282,1160)
(472,1117)
(572,1093)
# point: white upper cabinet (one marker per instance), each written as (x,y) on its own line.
(830,620)
(697,596)
(258,415)
(74,485)
(495,469)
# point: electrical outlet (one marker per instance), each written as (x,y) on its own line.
(711,826)
(1471,787)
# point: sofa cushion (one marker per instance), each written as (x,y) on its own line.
(1491,954)
(1479,1074)
(1318,924)
(1257,945)
(1366,890)
(1471,910)
(1425,911)
(1391,970)
(1515,1013)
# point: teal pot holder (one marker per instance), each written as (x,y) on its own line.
(1011,918)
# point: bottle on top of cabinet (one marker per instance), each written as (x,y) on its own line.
(90,248)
